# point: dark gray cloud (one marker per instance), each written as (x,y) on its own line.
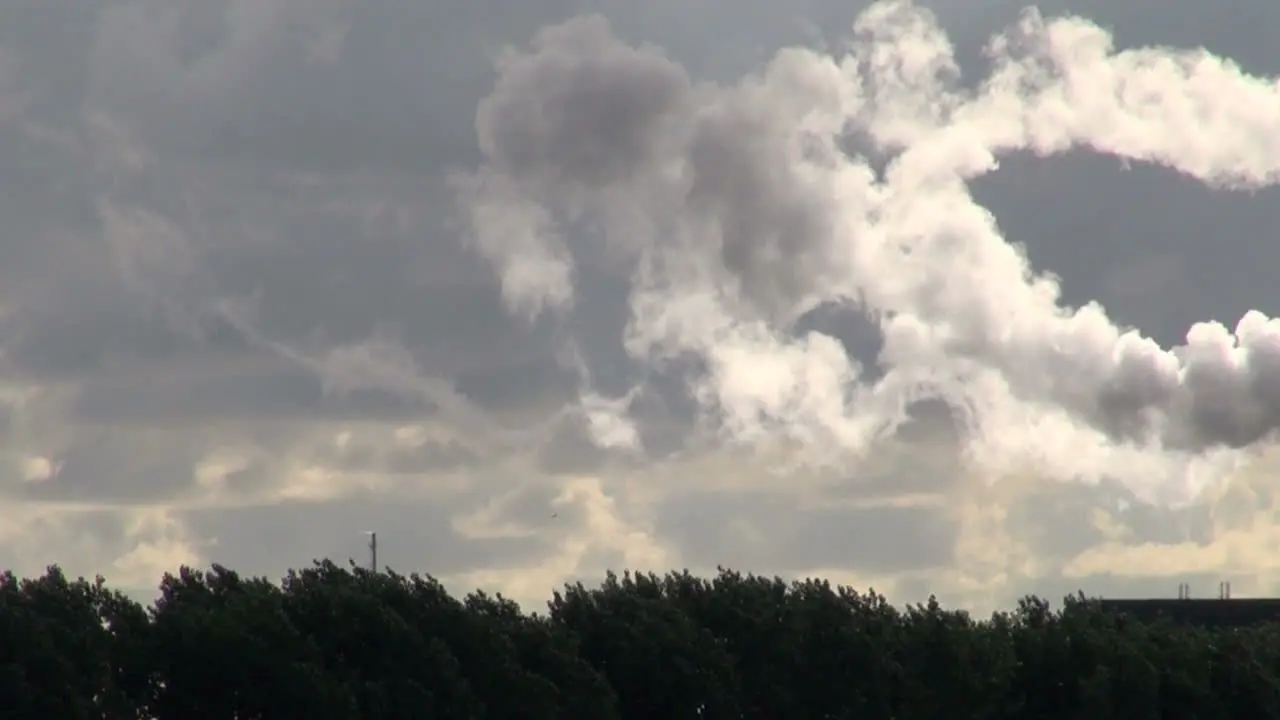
(103,466)
(773,532)
(1163,251)
(410,539)
(233,277)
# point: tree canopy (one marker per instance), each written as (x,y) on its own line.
(333,642)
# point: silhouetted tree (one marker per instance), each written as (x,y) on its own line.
(55,654)
(331,642)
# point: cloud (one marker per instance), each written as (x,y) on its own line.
(752,212)
(540,292)
(732,210)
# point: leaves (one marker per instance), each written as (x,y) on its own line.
(337,643)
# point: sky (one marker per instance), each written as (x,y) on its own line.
(953,298)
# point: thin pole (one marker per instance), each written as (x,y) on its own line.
(373,551)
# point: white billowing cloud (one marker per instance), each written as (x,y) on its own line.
(608,423)
(740,207)
(678,322)
(602,539)
(143,542)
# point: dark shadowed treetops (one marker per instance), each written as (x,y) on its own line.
(333,642)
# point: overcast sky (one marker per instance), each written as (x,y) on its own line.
(263,288)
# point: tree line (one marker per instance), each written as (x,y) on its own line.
(335,642)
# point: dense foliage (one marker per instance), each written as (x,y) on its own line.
(329,642)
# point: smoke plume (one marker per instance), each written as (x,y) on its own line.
(843,180)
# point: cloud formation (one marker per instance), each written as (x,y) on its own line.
(843,180)
(278,272)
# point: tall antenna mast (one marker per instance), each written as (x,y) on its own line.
(373,550)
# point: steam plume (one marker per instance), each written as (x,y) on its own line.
(843,180)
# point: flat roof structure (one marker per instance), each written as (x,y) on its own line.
(1200,612)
